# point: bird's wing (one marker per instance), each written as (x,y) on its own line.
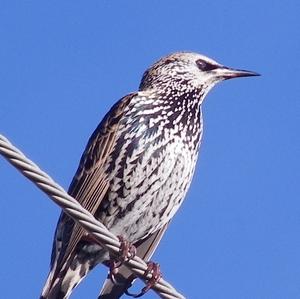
(89,184)
(145,249)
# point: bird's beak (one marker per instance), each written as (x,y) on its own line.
(229,73)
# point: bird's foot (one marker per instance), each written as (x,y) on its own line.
(153,269)
(127,252)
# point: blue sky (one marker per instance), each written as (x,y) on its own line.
(64,63)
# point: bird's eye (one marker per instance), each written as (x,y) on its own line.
(205,66)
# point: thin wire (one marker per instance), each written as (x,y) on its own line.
(71,207)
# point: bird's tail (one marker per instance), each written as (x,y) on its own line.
(111,290)
(59,285)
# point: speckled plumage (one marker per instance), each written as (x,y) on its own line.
(136,168)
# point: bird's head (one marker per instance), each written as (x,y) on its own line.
(188,70)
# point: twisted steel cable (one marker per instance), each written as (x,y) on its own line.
(57,194)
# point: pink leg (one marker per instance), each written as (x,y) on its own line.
(127,252)
(154,270)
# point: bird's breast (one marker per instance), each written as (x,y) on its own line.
(149,174)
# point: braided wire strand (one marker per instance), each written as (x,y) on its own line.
(71,207)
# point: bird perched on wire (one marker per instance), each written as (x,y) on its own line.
(136,169)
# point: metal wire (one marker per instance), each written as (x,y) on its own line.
(57,194)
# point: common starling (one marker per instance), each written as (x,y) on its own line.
(136,169)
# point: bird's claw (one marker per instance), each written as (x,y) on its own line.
(127,252)
(153,269)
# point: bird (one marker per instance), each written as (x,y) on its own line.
(136,169)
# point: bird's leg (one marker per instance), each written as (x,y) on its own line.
(154,270)
(127,252)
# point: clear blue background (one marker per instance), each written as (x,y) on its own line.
(64,63)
